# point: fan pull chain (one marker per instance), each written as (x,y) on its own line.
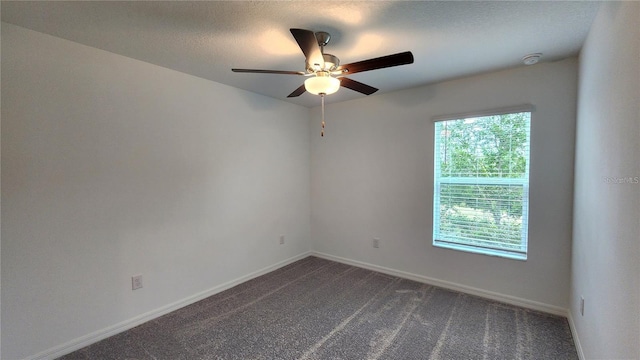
(322,131)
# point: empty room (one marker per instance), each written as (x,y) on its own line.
(320,180)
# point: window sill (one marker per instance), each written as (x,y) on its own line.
(488,252)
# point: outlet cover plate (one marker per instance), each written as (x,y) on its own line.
(136,282)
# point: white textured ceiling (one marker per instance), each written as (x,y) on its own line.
(206,39)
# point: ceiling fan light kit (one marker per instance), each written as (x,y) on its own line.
(327,75)
(322,83)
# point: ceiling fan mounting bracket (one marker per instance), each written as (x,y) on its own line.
(323,38)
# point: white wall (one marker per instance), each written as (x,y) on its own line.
(606,237)
(372,176)
(113,167)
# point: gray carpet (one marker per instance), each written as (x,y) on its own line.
(319,309)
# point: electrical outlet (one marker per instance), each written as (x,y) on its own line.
(281,239)
(581,306)
(136,282)
(376,243)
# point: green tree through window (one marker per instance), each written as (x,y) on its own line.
(481,184)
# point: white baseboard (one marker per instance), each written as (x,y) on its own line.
(576,339)
(102,334)
(529,304)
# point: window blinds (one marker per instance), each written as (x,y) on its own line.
(481,183)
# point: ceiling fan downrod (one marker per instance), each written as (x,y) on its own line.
(331,62)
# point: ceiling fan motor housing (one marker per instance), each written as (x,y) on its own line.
(331,63)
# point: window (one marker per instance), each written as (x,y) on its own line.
(481,185)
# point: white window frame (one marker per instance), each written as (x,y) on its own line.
(520,254)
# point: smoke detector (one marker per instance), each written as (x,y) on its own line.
(531,59)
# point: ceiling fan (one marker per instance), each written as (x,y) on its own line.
(324,72)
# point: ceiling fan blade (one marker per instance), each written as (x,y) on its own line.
(402,58)
(308,43)
(256,71)
(357,86)
(297,92)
